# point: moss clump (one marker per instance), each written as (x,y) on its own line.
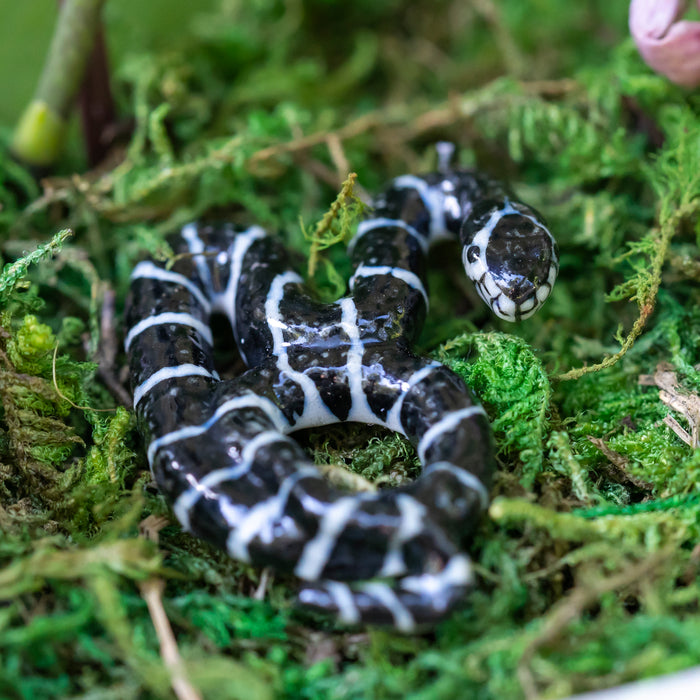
(514,387)
(589,552)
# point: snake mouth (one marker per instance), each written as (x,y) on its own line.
(521,296)
(527,306)
(519,290)
(518,302)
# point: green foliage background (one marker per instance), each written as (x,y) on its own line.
(588,562)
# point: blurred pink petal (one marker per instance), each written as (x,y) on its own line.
(670,48)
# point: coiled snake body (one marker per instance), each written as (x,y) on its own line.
(220,451)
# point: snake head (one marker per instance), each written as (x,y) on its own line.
(510,256)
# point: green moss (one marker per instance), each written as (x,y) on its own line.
(587,569)
(110,457)
(31,344)
(513,385)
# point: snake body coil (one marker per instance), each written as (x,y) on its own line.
(220,451)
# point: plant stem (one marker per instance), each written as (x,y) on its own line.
(96,102)
(39,135)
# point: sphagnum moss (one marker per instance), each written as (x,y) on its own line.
(587,573)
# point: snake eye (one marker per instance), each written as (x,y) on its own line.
(473,253)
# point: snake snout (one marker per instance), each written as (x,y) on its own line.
(520,291)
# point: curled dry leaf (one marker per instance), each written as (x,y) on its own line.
(677,398)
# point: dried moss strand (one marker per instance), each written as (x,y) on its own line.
(646,297)
(323,236)
(404,122)
(14,272)
(66,398)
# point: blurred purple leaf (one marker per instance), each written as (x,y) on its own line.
(670,47)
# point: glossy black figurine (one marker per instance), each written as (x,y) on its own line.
(220,450)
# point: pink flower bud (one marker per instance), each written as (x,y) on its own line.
(669,47)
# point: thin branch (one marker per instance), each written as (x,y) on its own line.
(152,591)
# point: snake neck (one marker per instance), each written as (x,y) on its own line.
(435,204)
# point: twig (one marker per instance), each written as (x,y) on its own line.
(152,591)
(151,526)
(365,123)
(265,578)
(618,469)
(341,477)
(337,153)
(107,350)
(319,170)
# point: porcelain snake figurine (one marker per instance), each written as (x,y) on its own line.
(220,450)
